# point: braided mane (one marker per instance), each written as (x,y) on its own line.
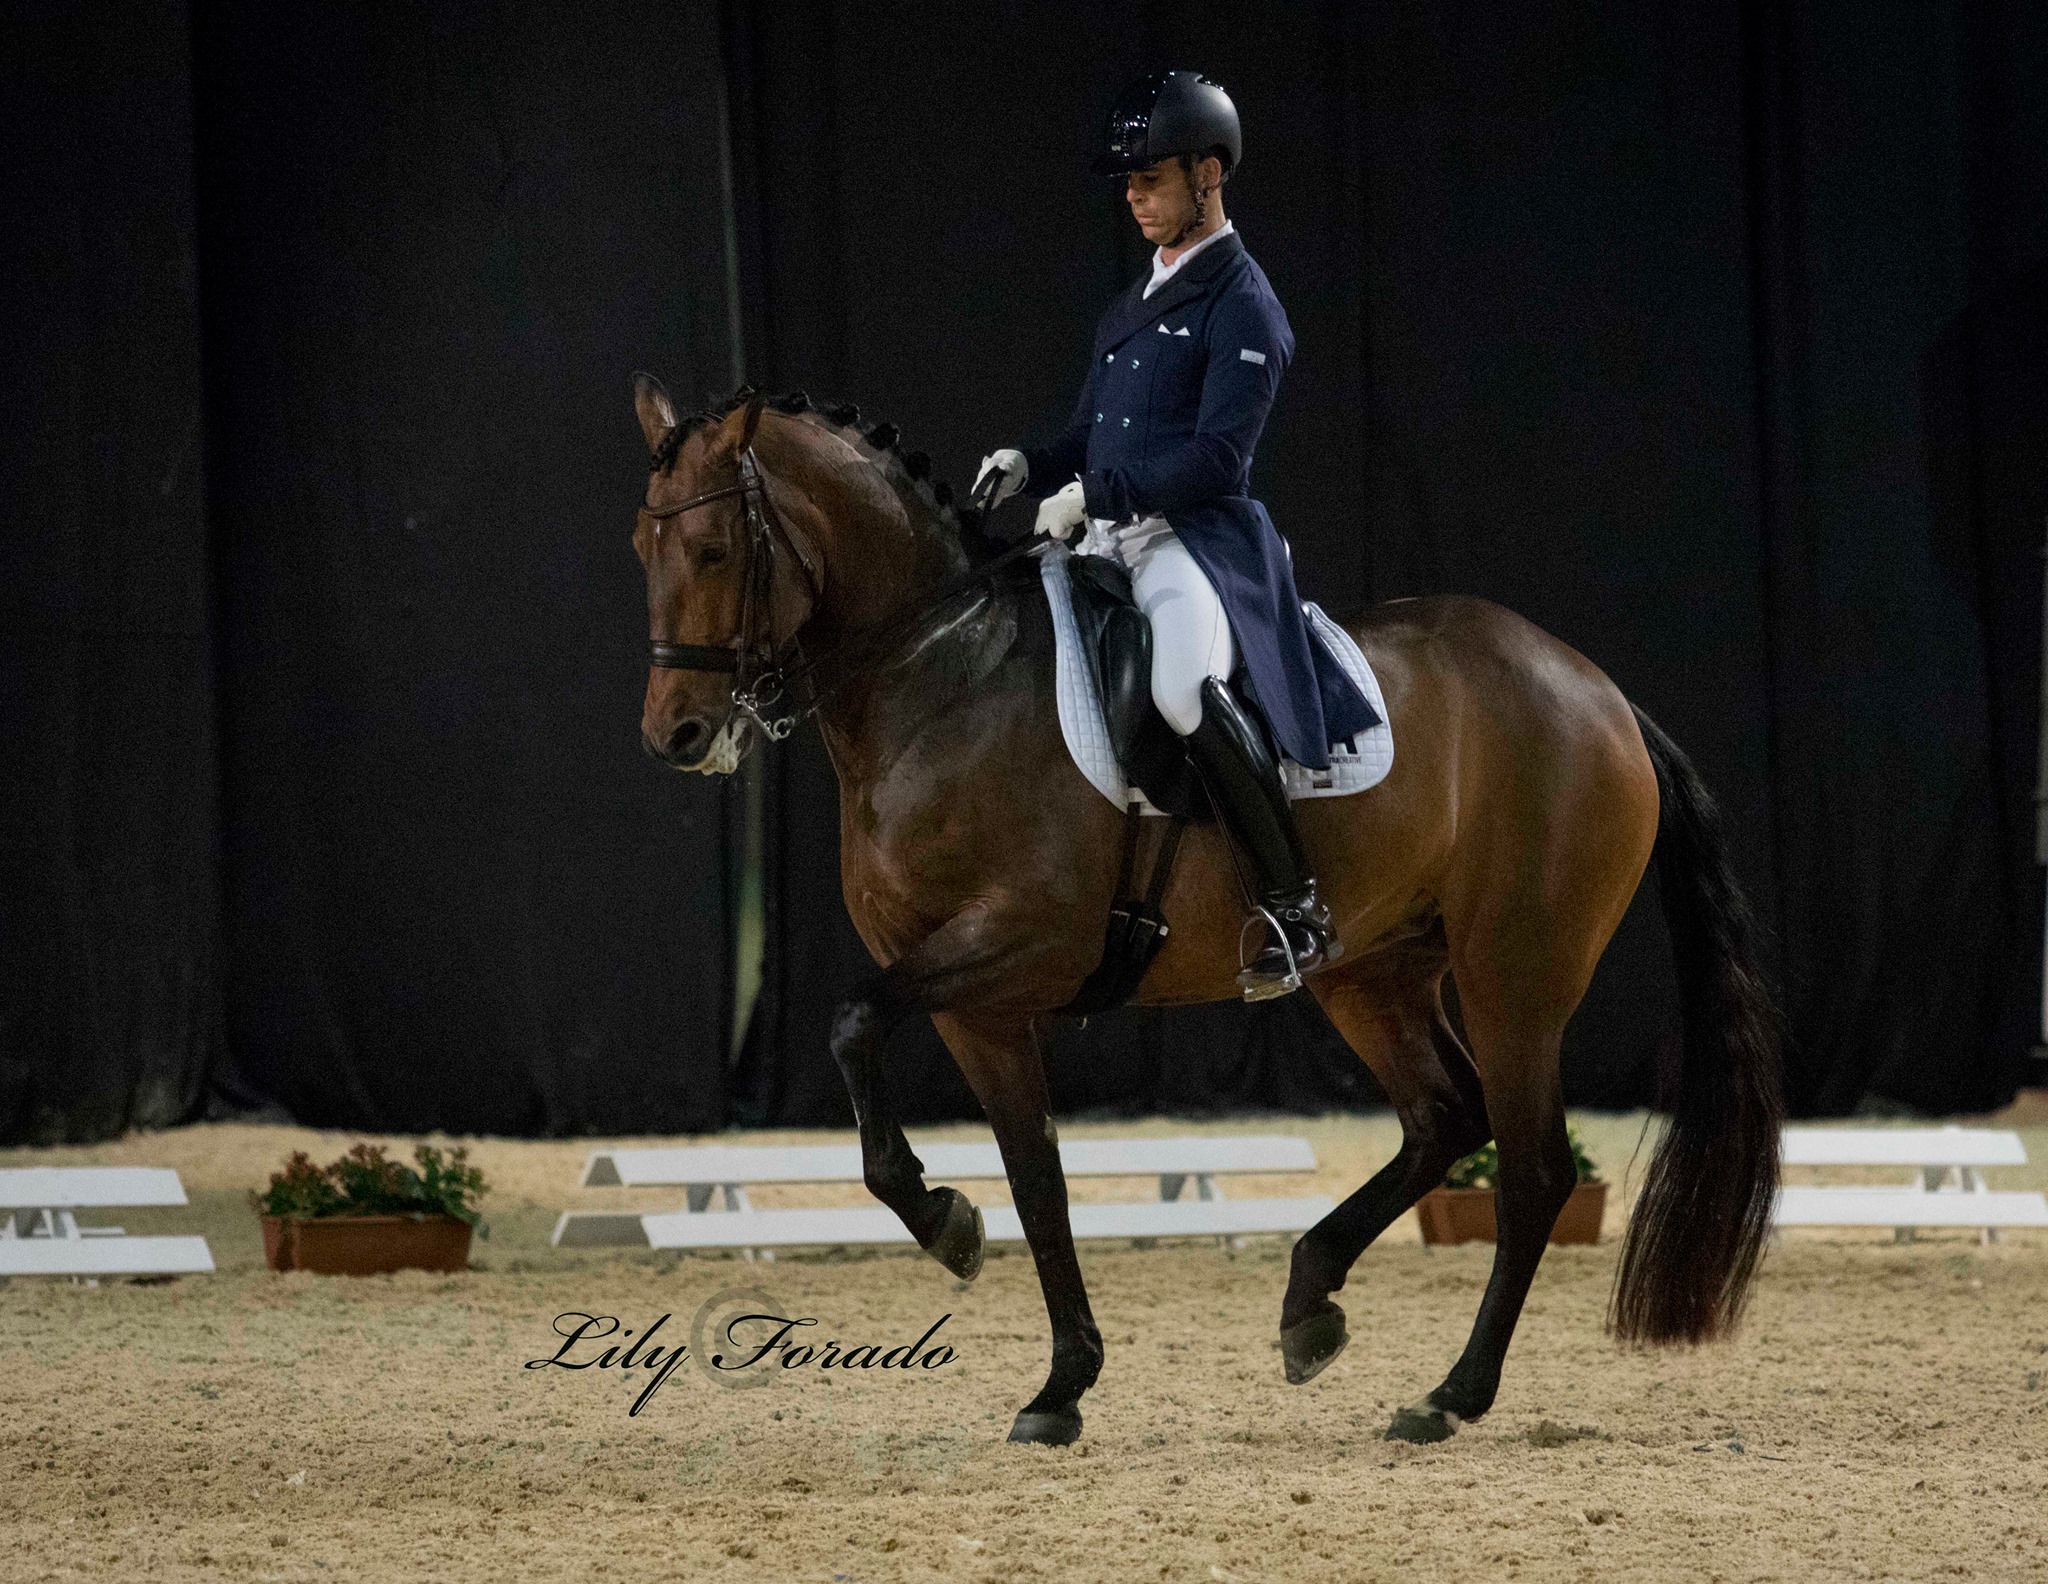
(909,473)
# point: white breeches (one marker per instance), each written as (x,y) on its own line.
(1190,632)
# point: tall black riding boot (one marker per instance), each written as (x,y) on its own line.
(1243,779)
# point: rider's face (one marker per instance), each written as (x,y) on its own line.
(1160,200)
(1162,196)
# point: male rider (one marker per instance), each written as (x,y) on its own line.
(1158,455)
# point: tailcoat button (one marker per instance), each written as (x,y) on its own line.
(1127,423)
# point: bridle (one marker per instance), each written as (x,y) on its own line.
(756,665)
(762,674)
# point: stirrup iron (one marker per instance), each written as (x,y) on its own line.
(1241,772)
(1258,987)
(1285,958)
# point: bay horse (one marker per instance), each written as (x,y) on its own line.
(1526,798)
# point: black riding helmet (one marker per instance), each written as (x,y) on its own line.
(1169,113)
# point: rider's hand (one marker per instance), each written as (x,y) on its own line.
(1059,515)
(1014,470)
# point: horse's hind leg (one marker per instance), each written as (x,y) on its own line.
(1000,1059)
(1524,938)
(1396,1023)
(1518,1062)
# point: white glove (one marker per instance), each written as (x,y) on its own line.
(1011,465)
(1059,515)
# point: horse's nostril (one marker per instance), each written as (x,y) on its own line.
(688,740)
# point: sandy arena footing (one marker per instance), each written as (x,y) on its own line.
(1884,1414)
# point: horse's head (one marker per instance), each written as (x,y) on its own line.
(729,582)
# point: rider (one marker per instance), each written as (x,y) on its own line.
(1158,455)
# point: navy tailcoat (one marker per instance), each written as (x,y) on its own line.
(1177,392)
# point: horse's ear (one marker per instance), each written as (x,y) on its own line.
(657,412)
(736,432)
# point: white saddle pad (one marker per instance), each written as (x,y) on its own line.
(1355,765)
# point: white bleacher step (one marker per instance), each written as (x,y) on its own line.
(40,1234)
(835,1163)
(1923,1147)
(88,1187)
(602,1229)
(1907,1207)
(1176,1162)
(864,1225)
(105,1256)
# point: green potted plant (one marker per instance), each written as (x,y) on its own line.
(1461,1211)
(365,1214)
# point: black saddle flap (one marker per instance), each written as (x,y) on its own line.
(1118,643)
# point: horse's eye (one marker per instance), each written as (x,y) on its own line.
(712,555)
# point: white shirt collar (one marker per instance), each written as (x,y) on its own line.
(1162,272)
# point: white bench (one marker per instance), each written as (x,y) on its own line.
(729,1170)
(40,1234)
(1950,1190)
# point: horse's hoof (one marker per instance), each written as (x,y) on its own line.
(1423,1423)
(1049,1427)
(959,1244)
(1307,1346)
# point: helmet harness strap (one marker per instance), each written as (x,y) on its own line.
(1195,220)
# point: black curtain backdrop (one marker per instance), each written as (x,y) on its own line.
(109,852)
(1711,339)
(436,240)
(1631,325)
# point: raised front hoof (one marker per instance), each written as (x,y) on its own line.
(960,1244)
(1422,1424)
(1307,1346)
(1047,1427)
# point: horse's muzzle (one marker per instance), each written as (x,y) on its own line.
(683,746)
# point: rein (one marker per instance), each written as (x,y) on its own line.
(756,693)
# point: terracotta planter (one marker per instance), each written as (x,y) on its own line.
(1465,1215)
(366,1245)
(1579,1220)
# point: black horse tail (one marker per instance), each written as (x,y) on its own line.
(1699,1227)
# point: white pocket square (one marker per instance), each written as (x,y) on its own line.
(1183,330)
(1250,356)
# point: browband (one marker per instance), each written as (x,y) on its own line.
(692,657)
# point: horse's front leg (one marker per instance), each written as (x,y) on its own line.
(999,1056)
(986,955)
(946,1225)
